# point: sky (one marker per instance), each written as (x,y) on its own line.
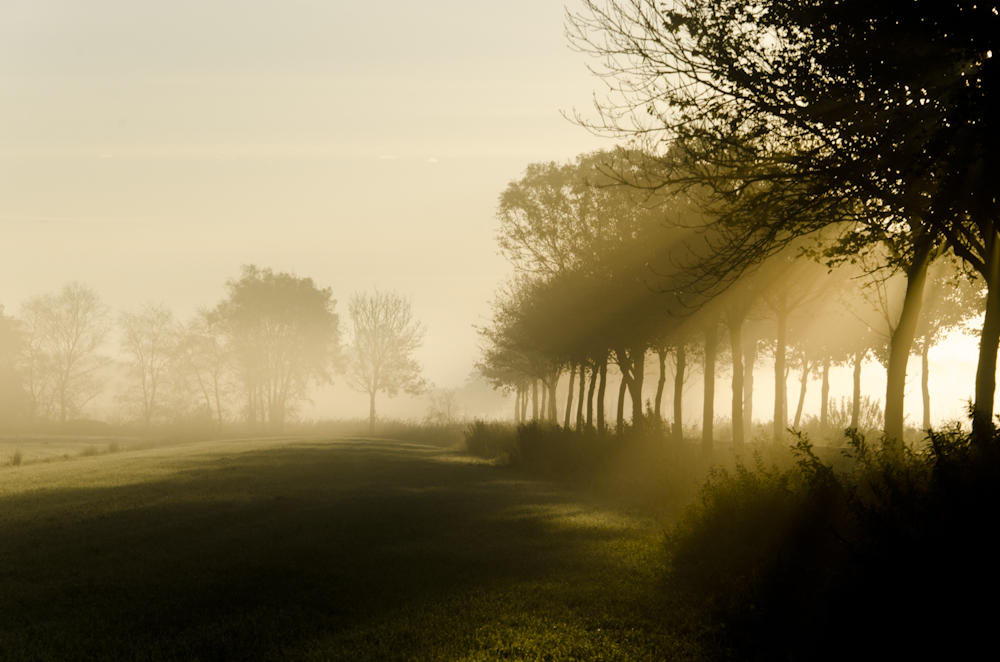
(150,149)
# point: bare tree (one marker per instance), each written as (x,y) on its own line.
(148,343)
(12,396)
(67,331)
(383,337)
(444,408)
(205,363)
(36,373)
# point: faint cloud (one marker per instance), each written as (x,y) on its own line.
(432,160)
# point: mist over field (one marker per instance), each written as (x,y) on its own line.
(479,302)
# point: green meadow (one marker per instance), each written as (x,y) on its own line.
(319,549)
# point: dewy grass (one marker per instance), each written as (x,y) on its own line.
(321,550)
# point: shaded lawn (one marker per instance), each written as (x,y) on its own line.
(321,549)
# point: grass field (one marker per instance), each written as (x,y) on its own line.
(320,549)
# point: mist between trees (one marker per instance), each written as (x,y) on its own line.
(619,298)
(246,365)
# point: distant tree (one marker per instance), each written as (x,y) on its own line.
(284,335)
(149,339)
(951,300)
(384,336)
(787,285)
(12,400)
(444,408)
(64,335)
(204,360)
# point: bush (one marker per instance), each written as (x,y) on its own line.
(892,558)
(491,440)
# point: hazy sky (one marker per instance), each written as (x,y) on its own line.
(151,148)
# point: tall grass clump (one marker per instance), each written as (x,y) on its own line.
(891,558)
(493,440)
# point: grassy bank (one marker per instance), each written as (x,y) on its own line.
(303,548)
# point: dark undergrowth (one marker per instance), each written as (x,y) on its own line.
(641,466)
(892,559)
(791,556)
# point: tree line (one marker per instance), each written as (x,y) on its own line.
(605,281)
(859,134)
(869,121)
(252,360)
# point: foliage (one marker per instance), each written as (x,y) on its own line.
(806,563)
(869,419)
(493,440)
(283,334)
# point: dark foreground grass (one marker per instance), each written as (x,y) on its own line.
(322,550)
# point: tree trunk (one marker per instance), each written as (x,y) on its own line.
(517,406)
(590,396)
(534,399)
(524,404)
(638,364)
(601,391)
(661,354)
(925,384)
(708,407)
(902,342)
(620,425)
(804,383)
(749,360)
(554,398)
(982,414)
(856,398)
(371,414)
(544,407)
(678,427)
(569,395)
(735,322)
(579,404)
(824,407)
(780,421)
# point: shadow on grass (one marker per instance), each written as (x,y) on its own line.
(331,550)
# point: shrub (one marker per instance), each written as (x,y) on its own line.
(491,440)
(16,458)
(891,558)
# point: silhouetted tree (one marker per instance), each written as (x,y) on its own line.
(790,109)
(951,300)
(383,337)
